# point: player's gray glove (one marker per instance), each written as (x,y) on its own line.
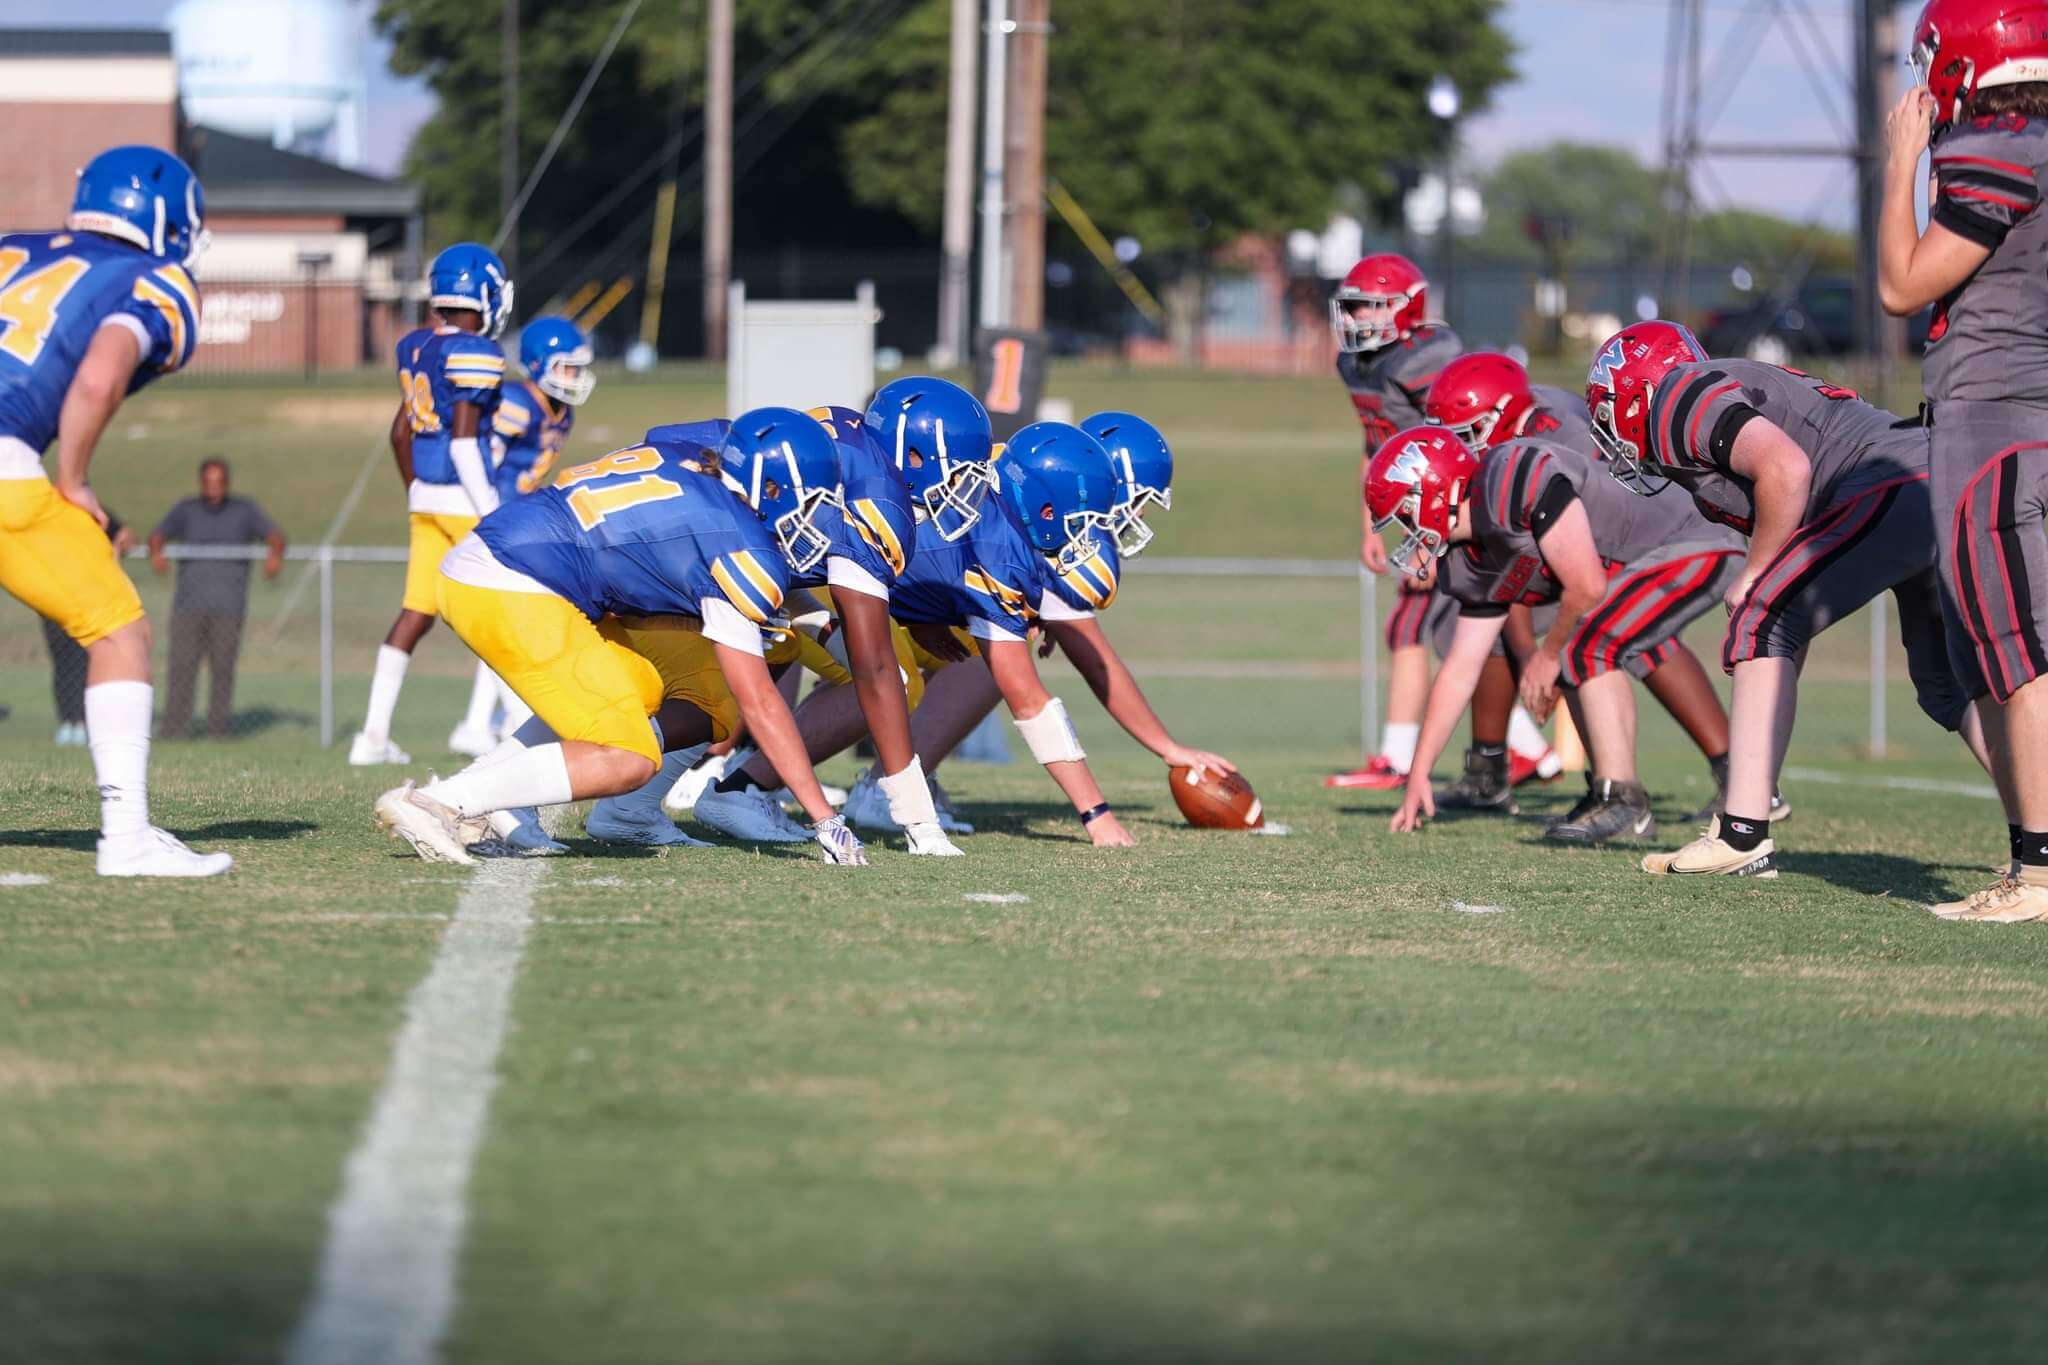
(842,847)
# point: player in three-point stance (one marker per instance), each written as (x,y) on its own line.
(1487,399)
(1541,524)
(88,316)
(1068,615)
(451,376)
(1983,113)
(625,604)
(1833,496)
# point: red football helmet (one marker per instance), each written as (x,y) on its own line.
(1483,397)
(1963,46)
(1624,375)
(1419,478)
(1381,301)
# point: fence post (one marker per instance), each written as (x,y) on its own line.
(326,646)
(1878,716)
(1368,660)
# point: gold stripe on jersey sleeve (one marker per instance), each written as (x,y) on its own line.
(174,317)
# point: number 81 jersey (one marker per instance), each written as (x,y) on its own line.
(56,291)
(645,531)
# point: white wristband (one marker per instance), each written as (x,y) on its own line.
(1050,735)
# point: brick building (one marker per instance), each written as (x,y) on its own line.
(312,267)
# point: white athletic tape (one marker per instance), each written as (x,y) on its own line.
(386,1287)
(910,797)
(1050,735)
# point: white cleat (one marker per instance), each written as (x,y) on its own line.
(368,751)
(156,853)
(682,797)
(835,797)
(472,741)
(750,814)
(435,832)
(868,808)
(929,841)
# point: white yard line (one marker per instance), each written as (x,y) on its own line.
(386,1287)
(1982,790)
(1465,909)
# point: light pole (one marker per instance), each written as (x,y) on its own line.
(1443,104)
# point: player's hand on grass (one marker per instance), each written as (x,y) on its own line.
(1418,803)
(1106,831)
(1539,682)
(842,846)
(81,495)
(939,642)
(1201,760)
(927,840)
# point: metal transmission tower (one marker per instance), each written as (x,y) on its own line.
(1842,67)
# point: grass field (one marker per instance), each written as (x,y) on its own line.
(1336,1096)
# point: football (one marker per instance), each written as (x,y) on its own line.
(1216,800)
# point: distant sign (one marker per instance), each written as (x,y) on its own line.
(227,317)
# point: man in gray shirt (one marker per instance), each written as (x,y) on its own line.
(212,594)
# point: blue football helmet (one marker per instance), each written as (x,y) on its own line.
(557,358)
(1057,479)
(1144,474)
(940,438)
(143,196)
(469,275)
(784,466)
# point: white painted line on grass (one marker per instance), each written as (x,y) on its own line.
(1982,790)
(386,1287)
(23,879)
(997,897)
(1465,909)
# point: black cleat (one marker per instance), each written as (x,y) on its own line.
(1484,787)
(1620,813)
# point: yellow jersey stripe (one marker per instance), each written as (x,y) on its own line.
(474,381)
(174,317)
(181,284)
(737,594)
(876,528)
(751,567)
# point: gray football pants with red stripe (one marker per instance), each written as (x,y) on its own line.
(1872,537)
(1990,493)
(1648,603)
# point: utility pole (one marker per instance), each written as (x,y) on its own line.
(717,177)
(959,215)
(1877,335)
(508,131)
(994,299)
(1024,168)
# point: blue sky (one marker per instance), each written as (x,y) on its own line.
(1591,70)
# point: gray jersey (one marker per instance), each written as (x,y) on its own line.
(1387,386)
(1989,341)
(1560,416)
(1521,490)
(1700,408)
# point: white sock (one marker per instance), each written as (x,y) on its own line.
(117,731)
(1525,737)
(532,777)
(645,803)
(910,797)
(1397,744)
(483,699)
(385,681)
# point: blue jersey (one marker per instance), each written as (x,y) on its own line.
(879,529)
(56,290)
(531,429)
(1090,586)
(990,575)
(439,367)
(643,532)
(710,434)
